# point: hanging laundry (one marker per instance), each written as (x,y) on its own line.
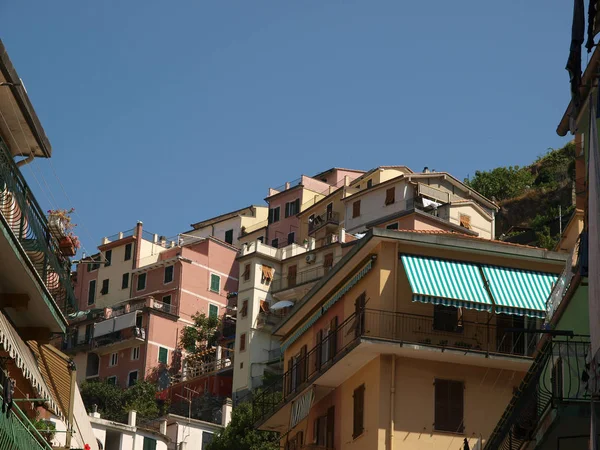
(574,61)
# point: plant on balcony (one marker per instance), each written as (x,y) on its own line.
(61,226)
(46,428)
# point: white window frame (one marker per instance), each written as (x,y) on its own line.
(116,379)
(110,362)
(216,306)
(210,282)
(165,272)
(137,378)
(133,358)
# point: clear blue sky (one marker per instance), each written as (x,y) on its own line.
(173,112)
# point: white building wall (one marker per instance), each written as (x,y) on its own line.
(372,205)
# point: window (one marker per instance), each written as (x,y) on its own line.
(166,299)
(229,236)
(128,252)
(275,243)
(292,208)
(274,215)
(141,282)
(328,262)
(292,275)
(246,274)
(243,342)
(369,184)
(358,412)
(390,196)
(92,292)
(92,267)
(267,275)
(125,281)
(356,209)
(108,258)
(163,355)
(135,353)
(557,379)
(260,239)
(215,283)
(244,311)
(392,226)
(132,378)
(213,311)
(112,380)
(104,289)
(465,221)
(89,330)
(138,321)
(291,238)
(169,274)
(114,359)
(329,211)
(449,400)
(206,439)
(446,318)
(149,443)
(323,429)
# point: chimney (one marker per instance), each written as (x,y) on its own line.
(132,418)
(137,244)
(425,169)
(95,412)
(163,426)
(287,185)
(226,415)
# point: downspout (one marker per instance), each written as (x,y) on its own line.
(70,418)
(26,160)
(392,402)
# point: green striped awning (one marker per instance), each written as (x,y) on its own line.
(444,282)
(519,292)
(328,304)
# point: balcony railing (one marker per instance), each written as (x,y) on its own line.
(119,336)
(29,225)
(18,433)
(299,278)
(328,217)
(558,375)
(164,307)
(397,327)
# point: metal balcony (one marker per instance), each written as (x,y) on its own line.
(28,223)
(327,218)
(466,337)
(299,278)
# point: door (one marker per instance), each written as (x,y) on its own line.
(329,211)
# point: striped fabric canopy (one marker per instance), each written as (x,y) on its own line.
(519,292)
(443,282)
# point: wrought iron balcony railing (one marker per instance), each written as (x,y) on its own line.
(393,326)
(28,223)
(18,433)
(328,217)
(559,375)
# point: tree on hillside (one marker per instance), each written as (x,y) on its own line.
(197,339)
(502,182)
(240,434)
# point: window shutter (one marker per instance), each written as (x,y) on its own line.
(449,405)
(333,337)
(287,209)
(297,204)
(328,261)
(358,413)
(246,273)
(390,196)
(302,366)
(288,374)
(356,209)
(318,351)
(330,427)
(456,409)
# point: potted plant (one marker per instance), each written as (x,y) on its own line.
(59,222)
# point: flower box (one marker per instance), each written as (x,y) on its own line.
(67,246)
(57,226)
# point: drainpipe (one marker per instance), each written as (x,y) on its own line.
(70,419)
(392,402)
(26,160)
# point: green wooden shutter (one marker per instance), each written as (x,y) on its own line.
(213,311)
(163,355)
(215,283)
(149,443)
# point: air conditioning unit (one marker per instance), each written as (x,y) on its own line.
(311,258)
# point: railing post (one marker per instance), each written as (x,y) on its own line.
(488,338)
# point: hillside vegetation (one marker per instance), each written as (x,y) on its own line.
(529,197)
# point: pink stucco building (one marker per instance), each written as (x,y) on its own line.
(160,290)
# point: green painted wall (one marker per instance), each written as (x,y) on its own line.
(576,315)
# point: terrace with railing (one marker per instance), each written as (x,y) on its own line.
(426,331)
(559,375)
(298,278)
(28,223)
(327,218)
